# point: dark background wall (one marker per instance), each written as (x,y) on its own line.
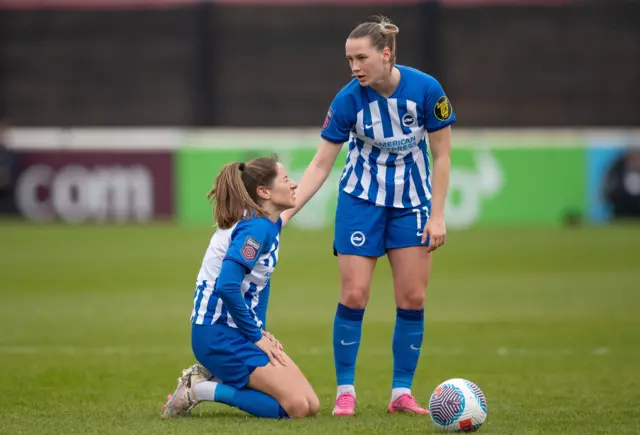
(225,65)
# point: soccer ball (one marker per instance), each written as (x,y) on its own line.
(458,405)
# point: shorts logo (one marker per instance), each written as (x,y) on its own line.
(358,238)
(250,249)
(408,120)
(442,109)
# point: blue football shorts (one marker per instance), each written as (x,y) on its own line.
(226,353)
(365,229)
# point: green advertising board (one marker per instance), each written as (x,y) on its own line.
(492,184)
(197,168)
(534,186)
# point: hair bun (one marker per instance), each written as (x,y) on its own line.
(389,29)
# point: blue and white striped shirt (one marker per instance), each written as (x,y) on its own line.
(388,162)
(253,244)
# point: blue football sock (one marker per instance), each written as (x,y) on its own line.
(251,401)
(347,329)
(407,341)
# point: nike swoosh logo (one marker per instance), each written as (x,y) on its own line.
(419,234)
(414,348)
(342,342)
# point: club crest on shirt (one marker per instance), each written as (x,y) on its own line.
(408,120)
(250,249)
(442,109)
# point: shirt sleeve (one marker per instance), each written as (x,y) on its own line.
(339,120)
(228,286)
(438,112)
(248,240)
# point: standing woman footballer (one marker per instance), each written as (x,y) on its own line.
(241,364)
(388,201)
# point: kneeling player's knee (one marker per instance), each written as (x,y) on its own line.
(296,406)
(314,404)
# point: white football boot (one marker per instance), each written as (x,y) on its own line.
(183,400)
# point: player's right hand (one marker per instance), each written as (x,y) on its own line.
(272,349)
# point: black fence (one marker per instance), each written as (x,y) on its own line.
(222,65)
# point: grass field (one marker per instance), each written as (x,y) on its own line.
(94,330)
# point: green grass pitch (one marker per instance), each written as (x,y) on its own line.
(94,330)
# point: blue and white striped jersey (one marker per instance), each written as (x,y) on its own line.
(388,162)
(253,244)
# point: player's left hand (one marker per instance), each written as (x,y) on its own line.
(436,230)
(273,339)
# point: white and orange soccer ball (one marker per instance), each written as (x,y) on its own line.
(458,405)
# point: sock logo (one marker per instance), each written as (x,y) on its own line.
(414,348)
(344,343)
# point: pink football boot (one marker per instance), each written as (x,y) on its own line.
(407,404)
(345,404)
